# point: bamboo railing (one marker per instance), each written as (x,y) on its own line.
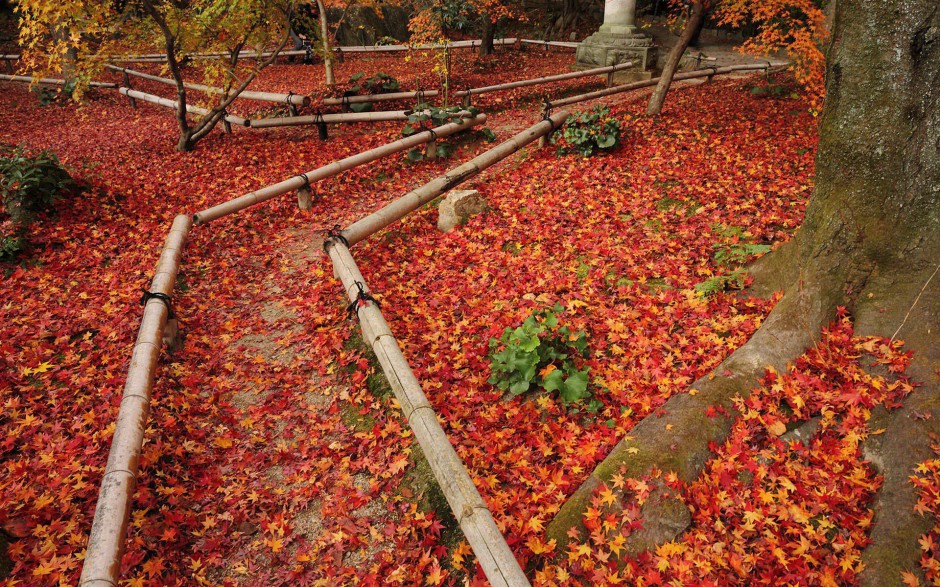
(50,81)
(608,70)
(392,96)
(158,57)
(237,120)
(294,99)
(413,200)
(547,44)
(335,168)
(494,555)
(708,72)
(344,118)
(545,80)
(102,566)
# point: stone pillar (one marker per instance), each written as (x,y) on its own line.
(618,40)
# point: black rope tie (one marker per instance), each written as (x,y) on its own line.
(433,135)
(345,103)
(362,299)
(335,233)
(306,179)
(547,116)
(167,301)
(419,96)
(290,95)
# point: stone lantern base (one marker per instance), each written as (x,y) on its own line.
(614,44)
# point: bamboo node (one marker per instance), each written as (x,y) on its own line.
(362,298)
(167,301)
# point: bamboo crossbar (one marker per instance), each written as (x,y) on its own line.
(102,566)
(708,72)
(344,118)
(295,99)
(544,80)
(565,44)
(237,120)
(335,168)
(50,81)
(156,57)
(379,97)
(488,544)
(413,200)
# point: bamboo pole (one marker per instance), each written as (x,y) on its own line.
(494,555)
(300,181)
(157,57)
(379,97)
(102,566)
(544,80)
(344,118)
(50,81)
(295,99)
(565,44)
(708,72)
(237,120)
(413,200)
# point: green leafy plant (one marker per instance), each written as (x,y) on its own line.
(543,354)
(31,183)
(425,116)
(730,255)
(380,83)
(588,132)
(10,247)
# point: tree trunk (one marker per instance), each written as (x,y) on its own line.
(325,37)
(675,55)
(489,33)
(870,242)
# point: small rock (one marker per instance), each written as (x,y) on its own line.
(458,207)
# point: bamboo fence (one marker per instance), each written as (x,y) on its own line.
(236,120)
(609,70)
(708,72)
(158,57)
(344,118)
(494,555)
(301,181)
(102,566)
(291,98)
(547,44)
(50,81)
(413,200)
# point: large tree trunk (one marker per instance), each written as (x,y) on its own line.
(870,242)
(489,33)
(696,18)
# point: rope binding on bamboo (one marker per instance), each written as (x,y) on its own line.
(362,299)
(335,234)
(155,295)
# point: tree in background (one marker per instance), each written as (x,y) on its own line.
(797,27)
(78,36)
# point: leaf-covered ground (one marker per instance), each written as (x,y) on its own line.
(274,454)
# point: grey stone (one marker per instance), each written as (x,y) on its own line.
(458,207)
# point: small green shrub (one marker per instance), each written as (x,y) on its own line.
(542,354)
(30,184)
(425,116)
(588,132)
(11,247)
(380,83)
(737,253)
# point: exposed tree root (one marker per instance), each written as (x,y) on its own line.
(678,440)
